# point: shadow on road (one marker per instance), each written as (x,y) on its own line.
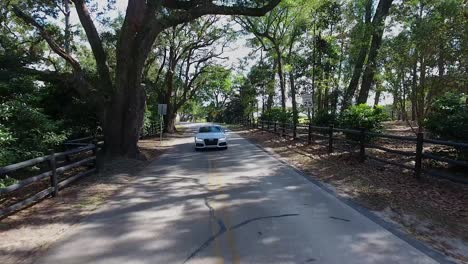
(188,202)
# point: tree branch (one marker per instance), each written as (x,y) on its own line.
(95,41)
(52,44)
(204,7)
(186,11)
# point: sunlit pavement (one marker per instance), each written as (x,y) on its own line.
(235,206)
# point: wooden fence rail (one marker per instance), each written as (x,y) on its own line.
(88,156)
(326,136)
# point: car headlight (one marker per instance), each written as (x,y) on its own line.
(222,139)
(198,139)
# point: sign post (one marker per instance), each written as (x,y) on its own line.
(162,110)
(307,102)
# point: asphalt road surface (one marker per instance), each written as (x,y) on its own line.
(240,205)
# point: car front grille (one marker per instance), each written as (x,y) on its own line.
(211,142)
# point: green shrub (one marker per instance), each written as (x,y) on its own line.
(26,131)
(7,181)
(324,118)
(363,116)
(448,118)
(278,115)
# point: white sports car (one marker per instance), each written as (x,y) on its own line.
(211,137)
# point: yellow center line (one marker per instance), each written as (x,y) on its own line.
(214,224)
(224,213)
(231,239)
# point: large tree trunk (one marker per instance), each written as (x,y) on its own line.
(378,26)
(293,97)
(279,62)
(171,121)
(319,100)
(377,97)
(414,89)
(335,93)
(169,80)
(124,119)
(314,50)
(125,116)
(66,12)
(269,103)
(421,94)
(358,65)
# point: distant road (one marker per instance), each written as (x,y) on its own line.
(235,206)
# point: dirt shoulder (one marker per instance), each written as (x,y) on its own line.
(27,233)
(433,211)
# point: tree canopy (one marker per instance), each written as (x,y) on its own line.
(76,67)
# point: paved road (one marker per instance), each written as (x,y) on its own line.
(234,206)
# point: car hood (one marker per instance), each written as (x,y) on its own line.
(210,135)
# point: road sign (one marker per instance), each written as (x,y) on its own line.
(307,100)
(162,109)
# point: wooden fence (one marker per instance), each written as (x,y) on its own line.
(57,164)
(328,136)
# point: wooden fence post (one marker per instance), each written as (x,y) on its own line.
(294,130)
(263,128)
(330,139)
(95,154)
(309,138)
(419,152)
(362,146)
(275,126)
(53,177)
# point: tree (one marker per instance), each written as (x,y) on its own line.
(378,26)
(189,52)
(261,77)
(369,44)
(363,36)
(279,33)
(270,32)
(421,63)
(121,98)
(217,91)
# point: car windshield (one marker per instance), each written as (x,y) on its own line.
(210,129)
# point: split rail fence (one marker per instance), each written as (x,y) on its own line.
(360,140)
(81,153)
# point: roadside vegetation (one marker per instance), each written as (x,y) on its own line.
(75,68)
(62,75)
